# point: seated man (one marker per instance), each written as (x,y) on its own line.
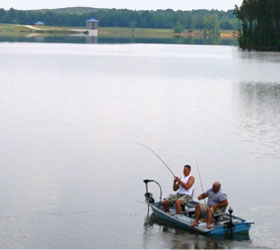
(185,186)
(217,203)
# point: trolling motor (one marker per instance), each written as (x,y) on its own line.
(149,196)
(229,224)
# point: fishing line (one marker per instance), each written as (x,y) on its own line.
(200,179)
(157,157)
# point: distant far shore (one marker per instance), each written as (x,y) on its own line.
(18,30)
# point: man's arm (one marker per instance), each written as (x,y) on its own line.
(202,196)
(223,203)
(188,184)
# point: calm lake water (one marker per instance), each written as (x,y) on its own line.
(118,40)
(71,115)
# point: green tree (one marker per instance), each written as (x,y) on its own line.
(178,28)
(194,19)
(2,15)
(11,16)
(260,24)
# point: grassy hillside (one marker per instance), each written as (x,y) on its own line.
(13,30)
(18,30)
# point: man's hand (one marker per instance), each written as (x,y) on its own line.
(177,179)
(202,196)
(215,207)
(176,183)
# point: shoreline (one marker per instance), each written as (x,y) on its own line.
(18,30)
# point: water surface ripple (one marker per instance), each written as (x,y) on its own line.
(70,115)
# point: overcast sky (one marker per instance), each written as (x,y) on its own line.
(118,4)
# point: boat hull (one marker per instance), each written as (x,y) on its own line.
(242,227)
(184,222)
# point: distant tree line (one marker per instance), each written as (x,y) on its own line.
(190,20)
(260,24)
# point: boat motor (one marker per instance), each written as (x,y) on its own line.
(229,224)
(149,196)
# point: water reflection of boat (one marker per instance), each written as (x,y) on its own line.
(225,225)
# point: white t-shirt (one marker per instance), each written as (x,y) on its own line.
(182,190)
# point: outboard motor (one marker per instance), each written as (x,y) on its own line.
(149,196)
(229,224)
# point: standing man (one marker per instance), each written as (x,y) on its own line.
(184,195)
(217,203)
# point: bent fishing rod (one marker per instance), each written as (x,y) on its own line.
(169,168)
(157,157)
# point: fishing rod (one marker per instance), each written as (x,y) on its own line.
(157,157)
(200,179)
(170,169)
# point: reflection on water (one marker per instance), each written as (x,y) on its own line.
(260,57)
(257,97)
(71,115)
(102,40)
(260,117)
(191,240)
(91,39)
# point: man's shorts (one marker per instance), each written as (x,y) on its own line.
(203,209)
(184,198)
